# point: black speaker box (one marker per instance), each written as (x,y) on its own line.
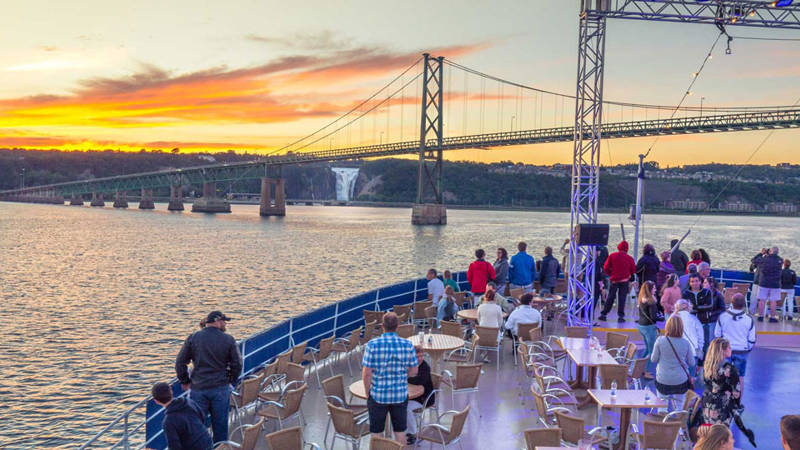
(591,234)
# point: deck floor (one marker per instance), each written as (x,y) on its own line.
(504,407)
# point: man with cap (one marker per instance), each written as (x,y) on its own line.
(216,365)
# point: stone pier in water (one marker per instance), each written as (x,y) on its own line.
(76,200)
(273,199)
(146,201)
(429,214)
(97,199)
(209,202)
(175,198)
(120,199)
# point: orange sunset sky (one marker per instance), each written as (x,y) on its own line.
(256,75)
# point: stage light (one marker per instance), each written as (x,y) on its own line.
(782,3)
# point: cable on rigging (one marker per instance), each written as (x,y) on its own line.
(688,91)
(355,108)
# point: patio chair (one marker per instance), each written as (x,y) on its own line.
(246,394)
(610,373)
(577,332)
(419,318)
(289,439)
(250,434)
(523,332)
(638,368)
(573,430)
(283,361)
(346,345)
(681,416)
(317,356)
(348,427)
(403,310)
(546,406)
(334,391)
(487,339)
(297,353)
(284,410)
(616,344)
(438,433)
(542,437)
(369,332)
(656,435)
(430,313)
(451,328)
(379,443)
(405,330)
(465,380)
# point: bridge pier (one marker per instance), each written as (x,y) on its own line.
(209,202)
(146,201)
(273,198)
(97,199)
(175,198)
(429,214)
(120,199)
(76,200)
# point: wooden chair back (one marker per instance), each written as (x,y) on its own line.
(380,443)
(405,330)
(461,298)
(292,401)
(402,309)
(419,309)
(487,336)
(454,329)
(659,435)
(728,295)
(524,329)
(354,339)
(295,372)
(298,351)
(325,346)
(630,351)
(743,288)
(542,437)
(690,400)
(250,388)
(457,425)
(616,340)
(373,316)
(616,372)
(541,405)
(561,286)
(334,387)
(283,361)
(639,367)
(430,312)
(536,334)
(251,434)
(288,439)
(403,318)
(270,369)
(343,420)
(467,376)
(573,428)
(577,332)
(369,331)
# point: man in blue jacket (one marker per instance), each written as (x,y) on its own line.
(183,421)
(522,269)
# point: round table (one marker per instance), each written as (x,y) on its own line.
(472,314)
(357,389)
(438,345)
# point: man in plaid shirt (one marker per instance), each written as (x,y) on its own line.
(388,362)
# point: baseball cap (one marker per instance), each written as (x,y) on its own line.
(214,316)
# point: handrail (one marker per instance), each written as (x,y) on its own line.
(338,317)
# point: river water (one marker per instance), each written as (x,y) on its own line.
(97,301)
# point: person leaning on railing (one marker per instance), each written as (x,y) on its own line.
(183,420)
(216,365)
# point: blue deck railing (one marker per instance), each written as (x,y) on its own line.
(338,318)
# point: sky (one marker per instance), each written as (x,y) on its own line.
(257,75)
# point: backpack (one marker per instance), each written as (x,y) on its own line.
(708,305)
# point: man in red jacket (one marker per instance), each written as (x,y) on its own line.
(479,273)
(619,267)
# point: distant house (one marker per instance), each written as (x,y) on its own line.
(695,205)
(782,208)
(738,205)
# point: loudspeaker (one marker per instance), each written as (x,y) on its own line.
(591,234)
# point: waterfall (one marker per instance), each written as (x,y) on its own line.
(345,182)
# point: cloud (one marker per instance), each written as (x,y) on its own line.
(48,48)
(322,41)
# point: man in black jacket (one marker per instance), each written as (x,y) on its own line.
(769,283)
(183,421)
(678,258)
(216,365)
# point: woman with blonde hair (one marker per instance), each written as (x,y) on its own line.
(648,310)
(717,437)
(723,389)
(673,356)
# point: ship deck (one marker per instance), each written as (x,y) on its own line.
(503,407)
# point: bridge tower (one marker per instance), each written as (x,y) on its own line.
(429,209)
(97,199)
(209,202)
(273,194)
(175,198)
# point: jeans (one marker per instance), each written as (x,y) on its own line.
(619,292)
(215,401)
(649,334)
(411,421)
(739,360)
(528,288)
(708,335)
(677,401)
(788,302)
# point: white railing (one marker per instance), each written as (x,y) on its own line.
(345,318)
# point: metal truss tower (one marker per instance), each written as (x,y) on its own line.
(589,102)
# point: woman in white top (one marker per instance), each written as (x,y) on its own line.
(489,312)
(692,328)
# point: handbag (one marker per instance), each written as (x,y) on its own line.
(680,361)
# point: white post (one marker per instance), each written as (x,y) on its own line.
(638,208)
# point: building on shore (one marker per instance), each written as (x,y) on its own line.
(781,208)
(737,205)
(690,204)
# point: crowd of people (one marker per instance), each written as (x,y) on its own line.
(704,341)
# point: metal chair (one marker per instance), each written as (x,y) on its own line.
(465,380)
(316,356)
(638,368)
(402,310)
(369,332)
(610,373)
(577,332)
(616,344)
(546,407)
(405,330)
(283,361)
(346,346)
(348,427)
(246,394)
(288,409)
(297,353)
(542,437)
(249,434)
(379,443)
(451,328)
(420,318)
(523,331)
(656,435)
(438,433)
(289,439)
(690,402)
(487,339)
(333,388)
(573,430)
(430,313)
